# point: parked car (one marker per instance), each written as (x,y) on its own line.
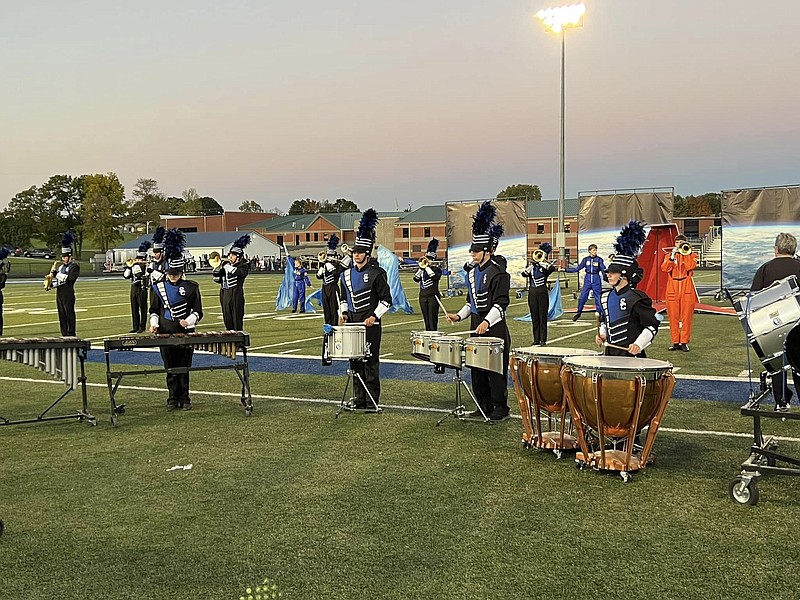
(39,253)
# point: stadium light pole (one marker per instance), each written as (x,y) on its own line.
(558,20)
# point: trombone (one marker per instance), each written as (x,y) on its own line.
(322,256)
(538,255)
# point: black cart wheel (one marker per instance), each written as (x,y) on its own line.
(744,491)
(2,528)
(626,477)
(579,464)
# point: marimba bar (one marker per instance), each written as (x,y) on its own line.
(61,358)
(224,343)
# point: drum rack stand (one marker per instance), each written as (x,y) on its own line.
(763,456)
(351,377)
(460,411)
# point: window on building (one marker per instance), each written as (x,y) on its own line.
(308,237)
(416,248)
(691,228)
(405,254)
(567,227)
(539,228)
(325,236)
(188,229)
(427,232)
(405,232)
(316,237)
(566,254)
(279,240)
(297,240)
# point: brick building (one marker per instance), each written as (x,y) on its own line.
(228,221)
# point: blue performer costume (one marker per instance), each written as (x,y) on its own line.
(538,296)
(594,270)
(301,280)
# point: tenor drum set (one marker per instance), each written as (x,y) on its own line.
(771,322)
(455,352)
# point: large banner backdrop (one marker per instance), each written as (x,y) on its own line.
(512,214)
(751,218)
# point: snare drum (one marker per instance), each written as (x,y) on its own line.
(448,351)
(536,375)
(612,399)
(484,353)
(767,317)
(349,341)
(421,343)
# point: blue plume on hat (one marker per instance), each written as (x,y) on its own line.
(158,235)
(483,218)
(366,227)
(333,241)
(243,241)
(546,247)
(174,243)
(67,239)
(433,246)
(145,246)
(496,232)
(4,252)
(630,239)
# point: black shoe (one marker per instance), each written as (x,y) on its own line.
(543,343)
(674,347)
(438,369)
(140,331)
(576,316)
(500,414)
(477,414)
(134,331)
(685,347)
(782,407)
(187,405)
(172,405)
(294,311)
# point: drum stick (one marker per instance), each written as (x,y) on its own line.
(439,300)
(610,345)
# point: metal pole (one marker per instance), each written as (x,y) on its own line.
(560,237)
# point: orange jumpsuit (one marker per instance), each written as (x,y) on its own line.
(681,295)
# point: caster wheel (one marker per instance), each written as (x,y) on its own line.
(743,492)
(114,420)
(2,528)
(526,444)
(626,477)
(248,411)
(119,409)
(580,465)
(558,453)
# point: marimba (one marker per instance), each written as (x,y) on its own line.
(225,343)
(61,358)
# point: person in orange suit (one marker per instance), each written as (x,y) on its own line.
(681,294)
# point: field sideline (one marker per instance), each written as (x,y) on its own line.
(385,506)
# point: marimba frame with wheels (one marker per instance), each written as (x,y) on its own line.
(228,344)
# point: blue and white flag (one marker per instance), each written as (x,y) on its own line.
(555,309)
(286,291)
(388,262)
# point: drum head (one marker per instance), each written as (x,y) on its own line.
(617,363)
(792,347)
(447,339)
(554,351)
(484,341)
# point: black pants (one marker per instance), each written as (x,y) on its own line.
(177,384)
(1,312)
(139,306)
(429,308)
(490,388)
(538,304)
(65,303)
(330,307)
(779,382)
(232,301)
(370,370)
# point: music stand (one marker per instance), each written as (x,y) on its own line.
(460,411)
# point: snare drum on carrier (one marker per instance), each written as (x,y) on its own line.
(349,341)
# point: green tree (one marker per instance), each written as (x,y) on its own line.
(148,202)
(103,208)
(251,206)
(191,202)
(680,206)
(25,208)
(343,205)
(209,206)
(305,207)
(11,231)
(63,197)
(521,190)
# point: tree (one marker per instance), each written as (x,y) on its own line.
(148,202)
(209,206)
(251,206)
(11,231)
(521,190)
(191,202)
(25,209)
(103,208)
(305,207)
(278,211)
(705,205)
(342,205)
(63,196)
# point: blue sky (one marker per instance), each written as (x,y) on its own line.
(397,104)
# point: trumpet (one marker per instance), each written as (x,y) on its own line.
(346,250)
(322,256)
(424,262)
(130,262)
(538,256)
(48,279)
(685,248)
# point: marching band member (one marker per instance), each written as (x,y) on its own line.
(329,272)
(428,280)
(628,320)
(175,307)
(135,271)
(366,297)
(4,268)
(156,268)
(301,280)
(780,267)
(488,285)
(230,274)
(594,272)
(63,279)
(538,295)
(681,293)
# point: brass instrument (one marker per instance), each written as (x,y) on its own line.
(322,255)
(215,260)
(48,279)
(685,248)
(346,250)
(538,256)
(424,262)
(130,262)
